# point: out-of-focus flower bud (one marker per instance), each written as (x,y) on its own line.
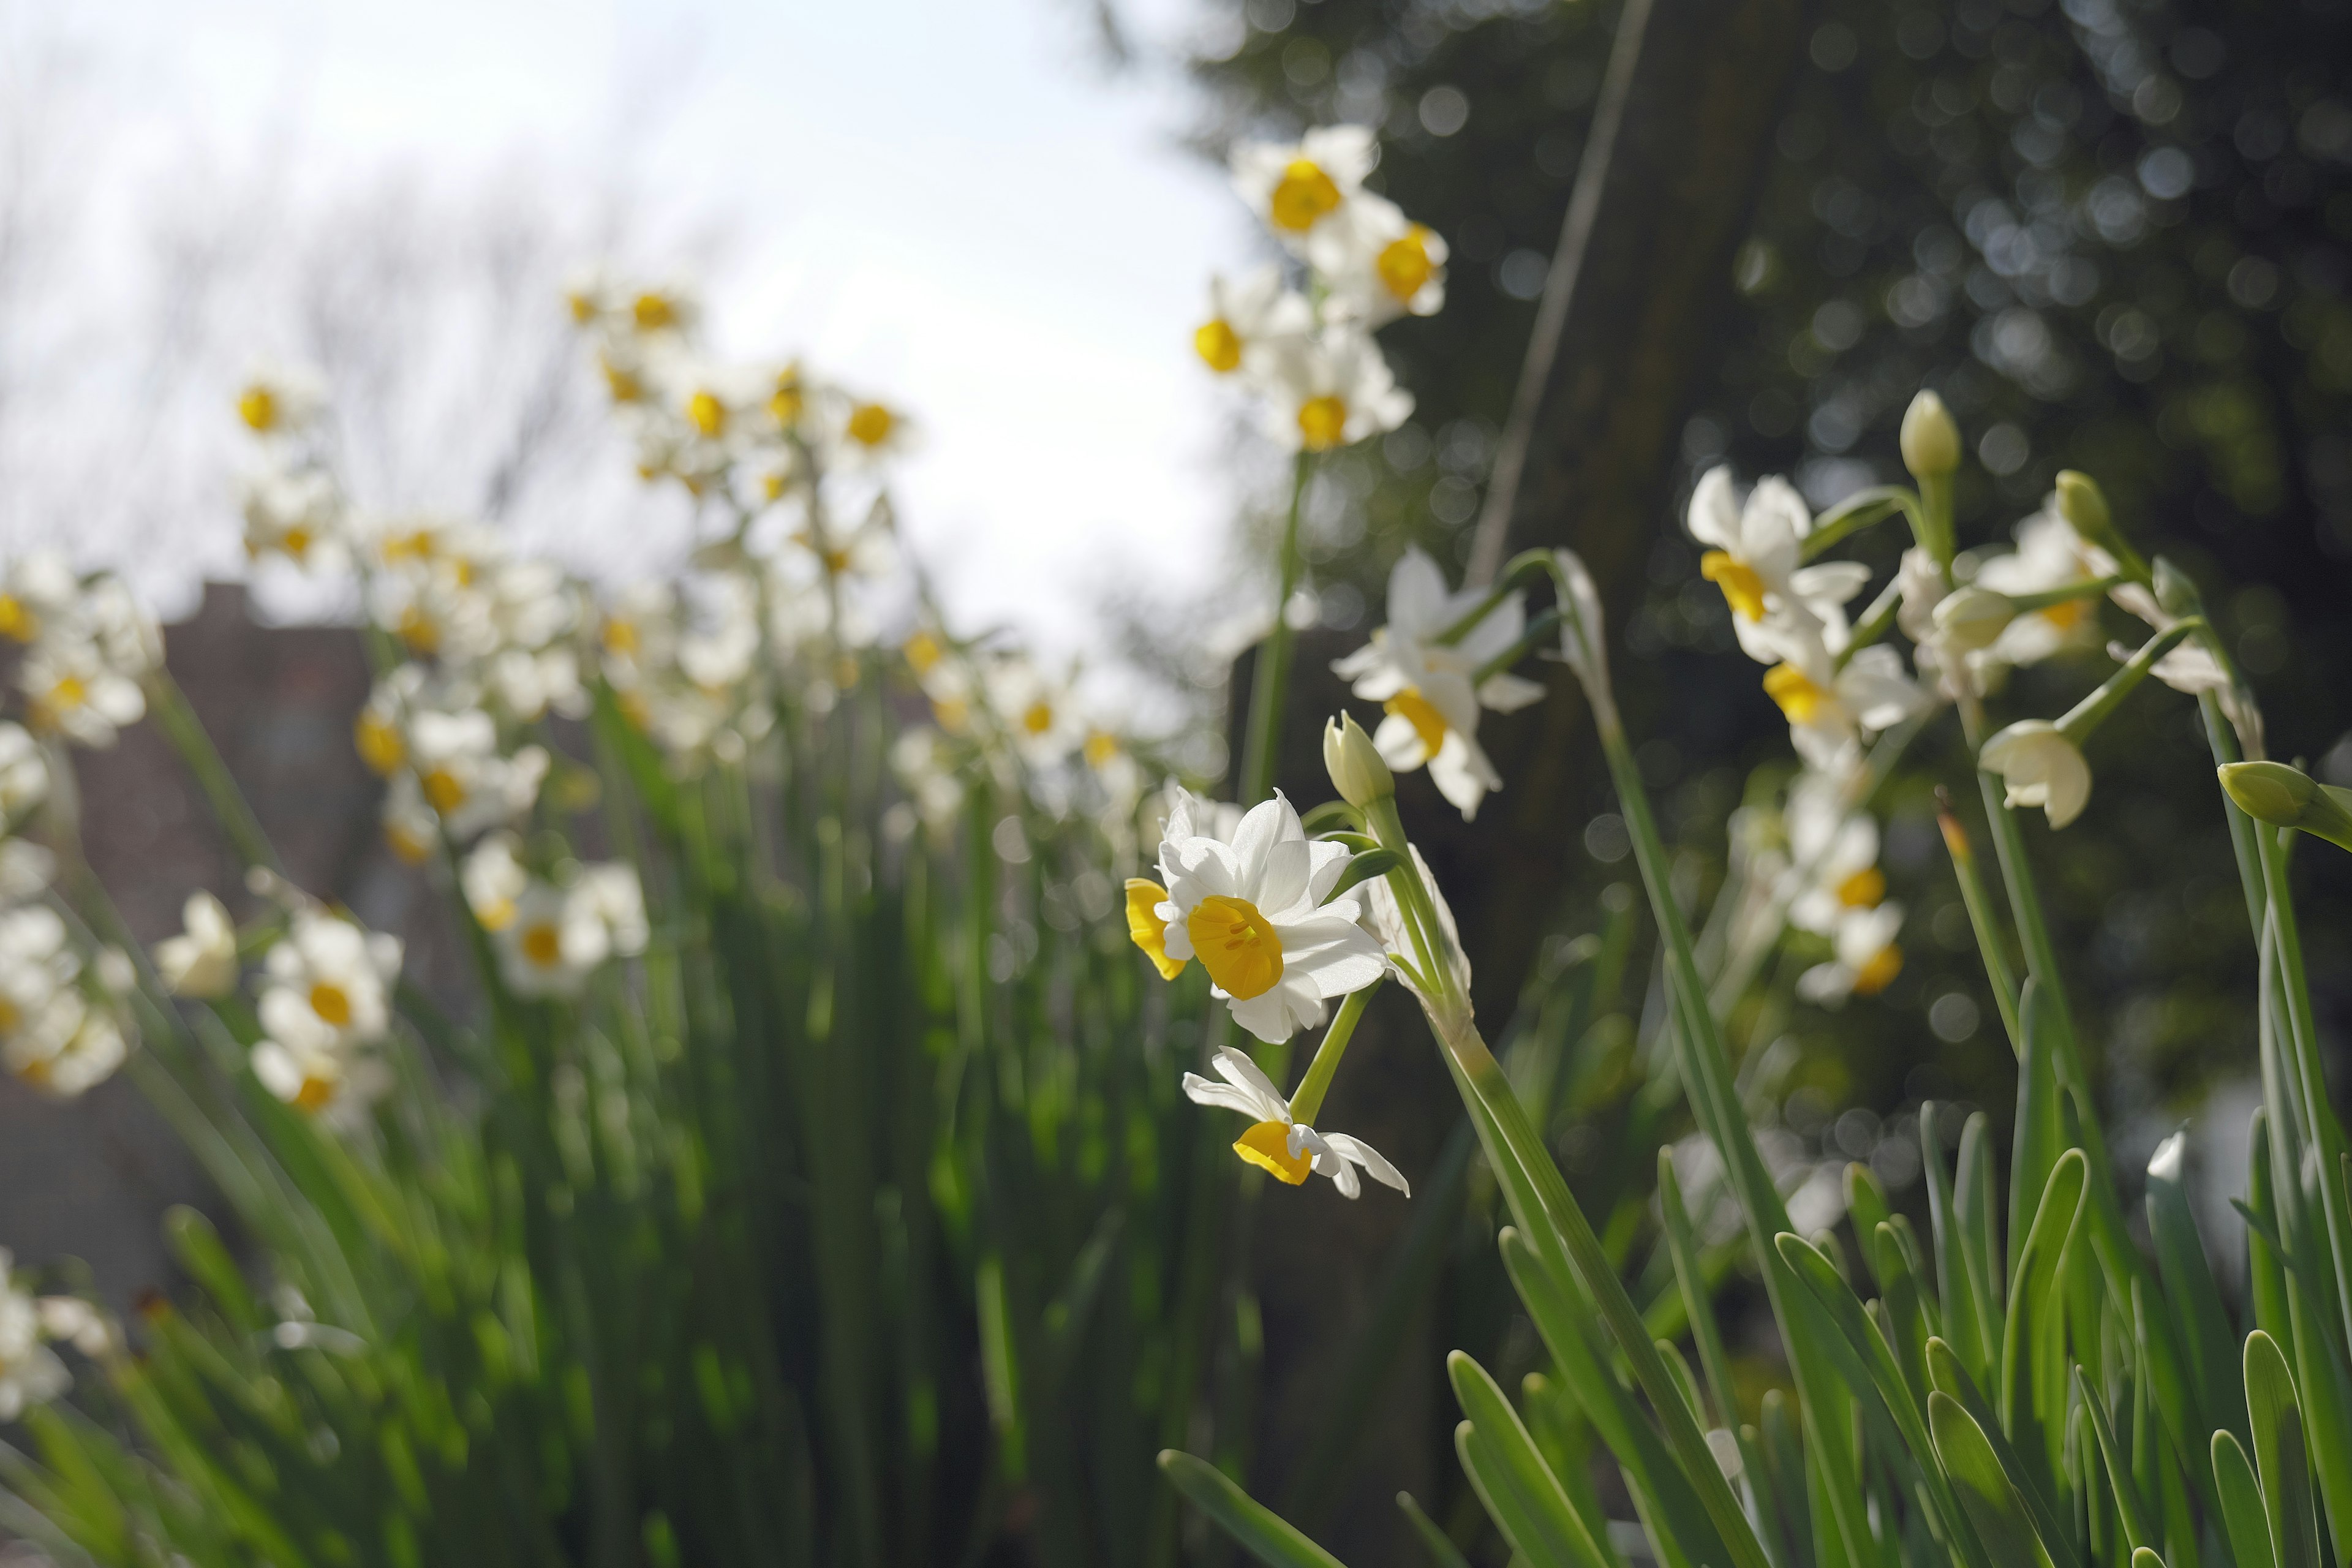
(2084,507)
(1930,440)
(1357,770)
(1973,617)
(2285,797)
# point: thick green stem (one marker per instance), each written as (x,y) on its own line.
(1320,1072)
(1269,681)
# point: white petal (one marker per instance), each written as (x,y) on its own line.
(1364,1155)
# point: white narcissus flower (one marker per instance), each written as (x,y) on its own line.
(1247,315)
(24,772)
(280,400)
(75,1061)
(1426,687)
(1275,1143)
(1252,911)
(1330,389)
(1829,709)
(1756,556)
(72,691)
(1866,961)
(38,591)
(462,775)
(308,1070)
(1381,264)
(298,514)
(201,960)
(1301,189)
(557,936)
(2039,767)
(327,973)
(2049,554)
(1037,710)
(492,878)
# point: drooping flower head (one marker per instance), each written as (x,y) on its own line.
(1285,1148)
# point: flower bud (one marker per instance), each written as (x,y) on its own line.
(2285,797)
(2084,506)
(1930,440)
(1358,770)
(1973,617)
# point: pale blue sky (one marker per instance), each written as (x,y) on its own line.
(949,202)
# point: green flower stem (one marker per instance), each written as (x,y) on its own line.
(180,725)
(1864,508)
(1932,523)
(1320,1072)
(1876,623)
(1998,972)
(2092,712)
(1272,675)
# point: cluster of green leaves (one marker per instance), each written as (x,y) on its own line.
(2020,1387)
(836,1231)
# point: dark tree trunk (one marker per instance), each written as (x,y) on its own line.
(1622,341)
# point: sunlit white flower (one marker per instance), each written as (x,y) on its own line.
(1275,1143)
(1300,188)
(1756,556)
(492,877)
(1246,317)
(327,973)
(1381,264)
(2039,767)
(1866,960)
(24,772)
(2049,554)
(201,960)
(1329,390)
(1253,911)
(1429,688)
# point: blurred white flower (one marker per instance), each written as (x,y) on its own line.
(30,1373)
(298,514)
(1330,389)
(24,772)
(309,1071)
(72,691)
(1758,548)
(1247,316)
(328,982)
(1300,189)
(462,775)
(201,960)
(1829,709)
(280,400)
(1381,264)
(557,936)
(2049,554)
(1275,1143)
(1866,961)
(1833,855)
(1429,688)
